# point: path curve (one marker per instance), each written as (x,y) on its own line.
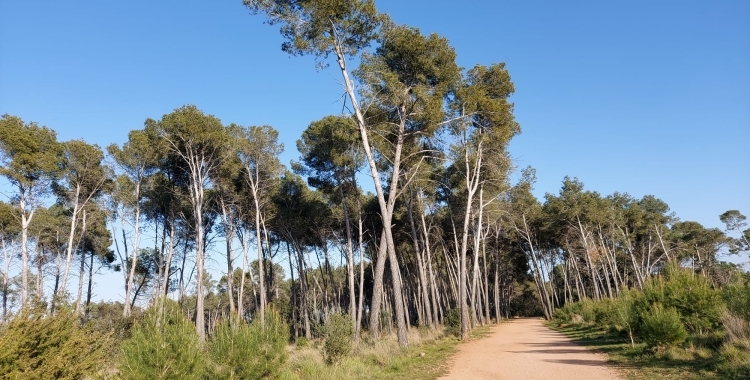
(526,349)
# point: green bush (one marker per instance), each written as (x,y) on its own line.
(700,307)
(36,345)
(584,311)
(588,310)
(737,298)
(338,338)
(254,351)
(621,313)
(561,315)
(164,345)
(302,342)
(452,322)
(662,327)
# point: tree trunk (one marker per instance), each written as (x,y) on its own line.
(134,255)
(360,240)
(377,288)
(82,273)
(229,237)
(91,284)
(70,247)
(423,284)
(386,209)
(25,221)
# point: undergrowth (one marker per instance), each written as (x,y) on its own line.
(425,358)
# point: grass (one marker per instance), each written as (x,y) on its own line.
(692,361)
(425,358)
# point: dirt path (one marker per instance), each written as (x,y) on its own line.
(526,349)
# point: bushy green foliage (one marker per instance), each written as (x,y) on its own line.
(737,297)
(662,327)
(452,321)
(338,338)
(36,345)
(699,306)
(302,342)
(584,311)
(621,313)
(164,345)
(588,310)
(249,351)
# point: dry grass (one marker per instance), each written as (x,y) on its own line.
(425,358)
(737,328)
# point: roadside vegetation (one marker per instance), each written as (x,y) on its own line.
(679,325)
(162,344)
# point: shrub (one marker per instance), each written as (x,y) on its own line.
(700,307)
(662,327)
(584,311)
(737,298)
(164,345)
(452,322)
(622,313)
(36,345)
(302,342)
(561,315)
(587,310)
(338,338)
(254,351)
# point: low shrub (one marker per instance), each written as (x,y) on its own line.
(700,307)
(735,361)
(338,342)
(164,345)
(662,327)
(737,298)
(452,322)
(248,351)
(584,311)
(302,342)
(621,313)
(37,345)
(587,310)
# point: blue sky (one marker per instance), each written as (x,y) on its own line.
(644,97)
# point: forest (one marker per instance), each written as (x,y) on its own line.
(400,216)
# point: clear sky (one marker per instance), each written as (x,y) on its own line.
(643,97)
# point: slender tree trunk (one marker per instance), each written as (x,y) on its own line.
(486,283)
(386,209)
(6,260)
(423,284)
(241,293)
(428,251)
(134,255)
(360,240)
(472,179)
(496,291)
(170,255)
(39,271)
(304,292)
(90,286)
(349,263)
(25,221)
(70,247)
(229,235)
(377,289)
(82,272)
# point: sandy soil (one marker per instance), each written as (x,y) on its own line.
(526,349)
